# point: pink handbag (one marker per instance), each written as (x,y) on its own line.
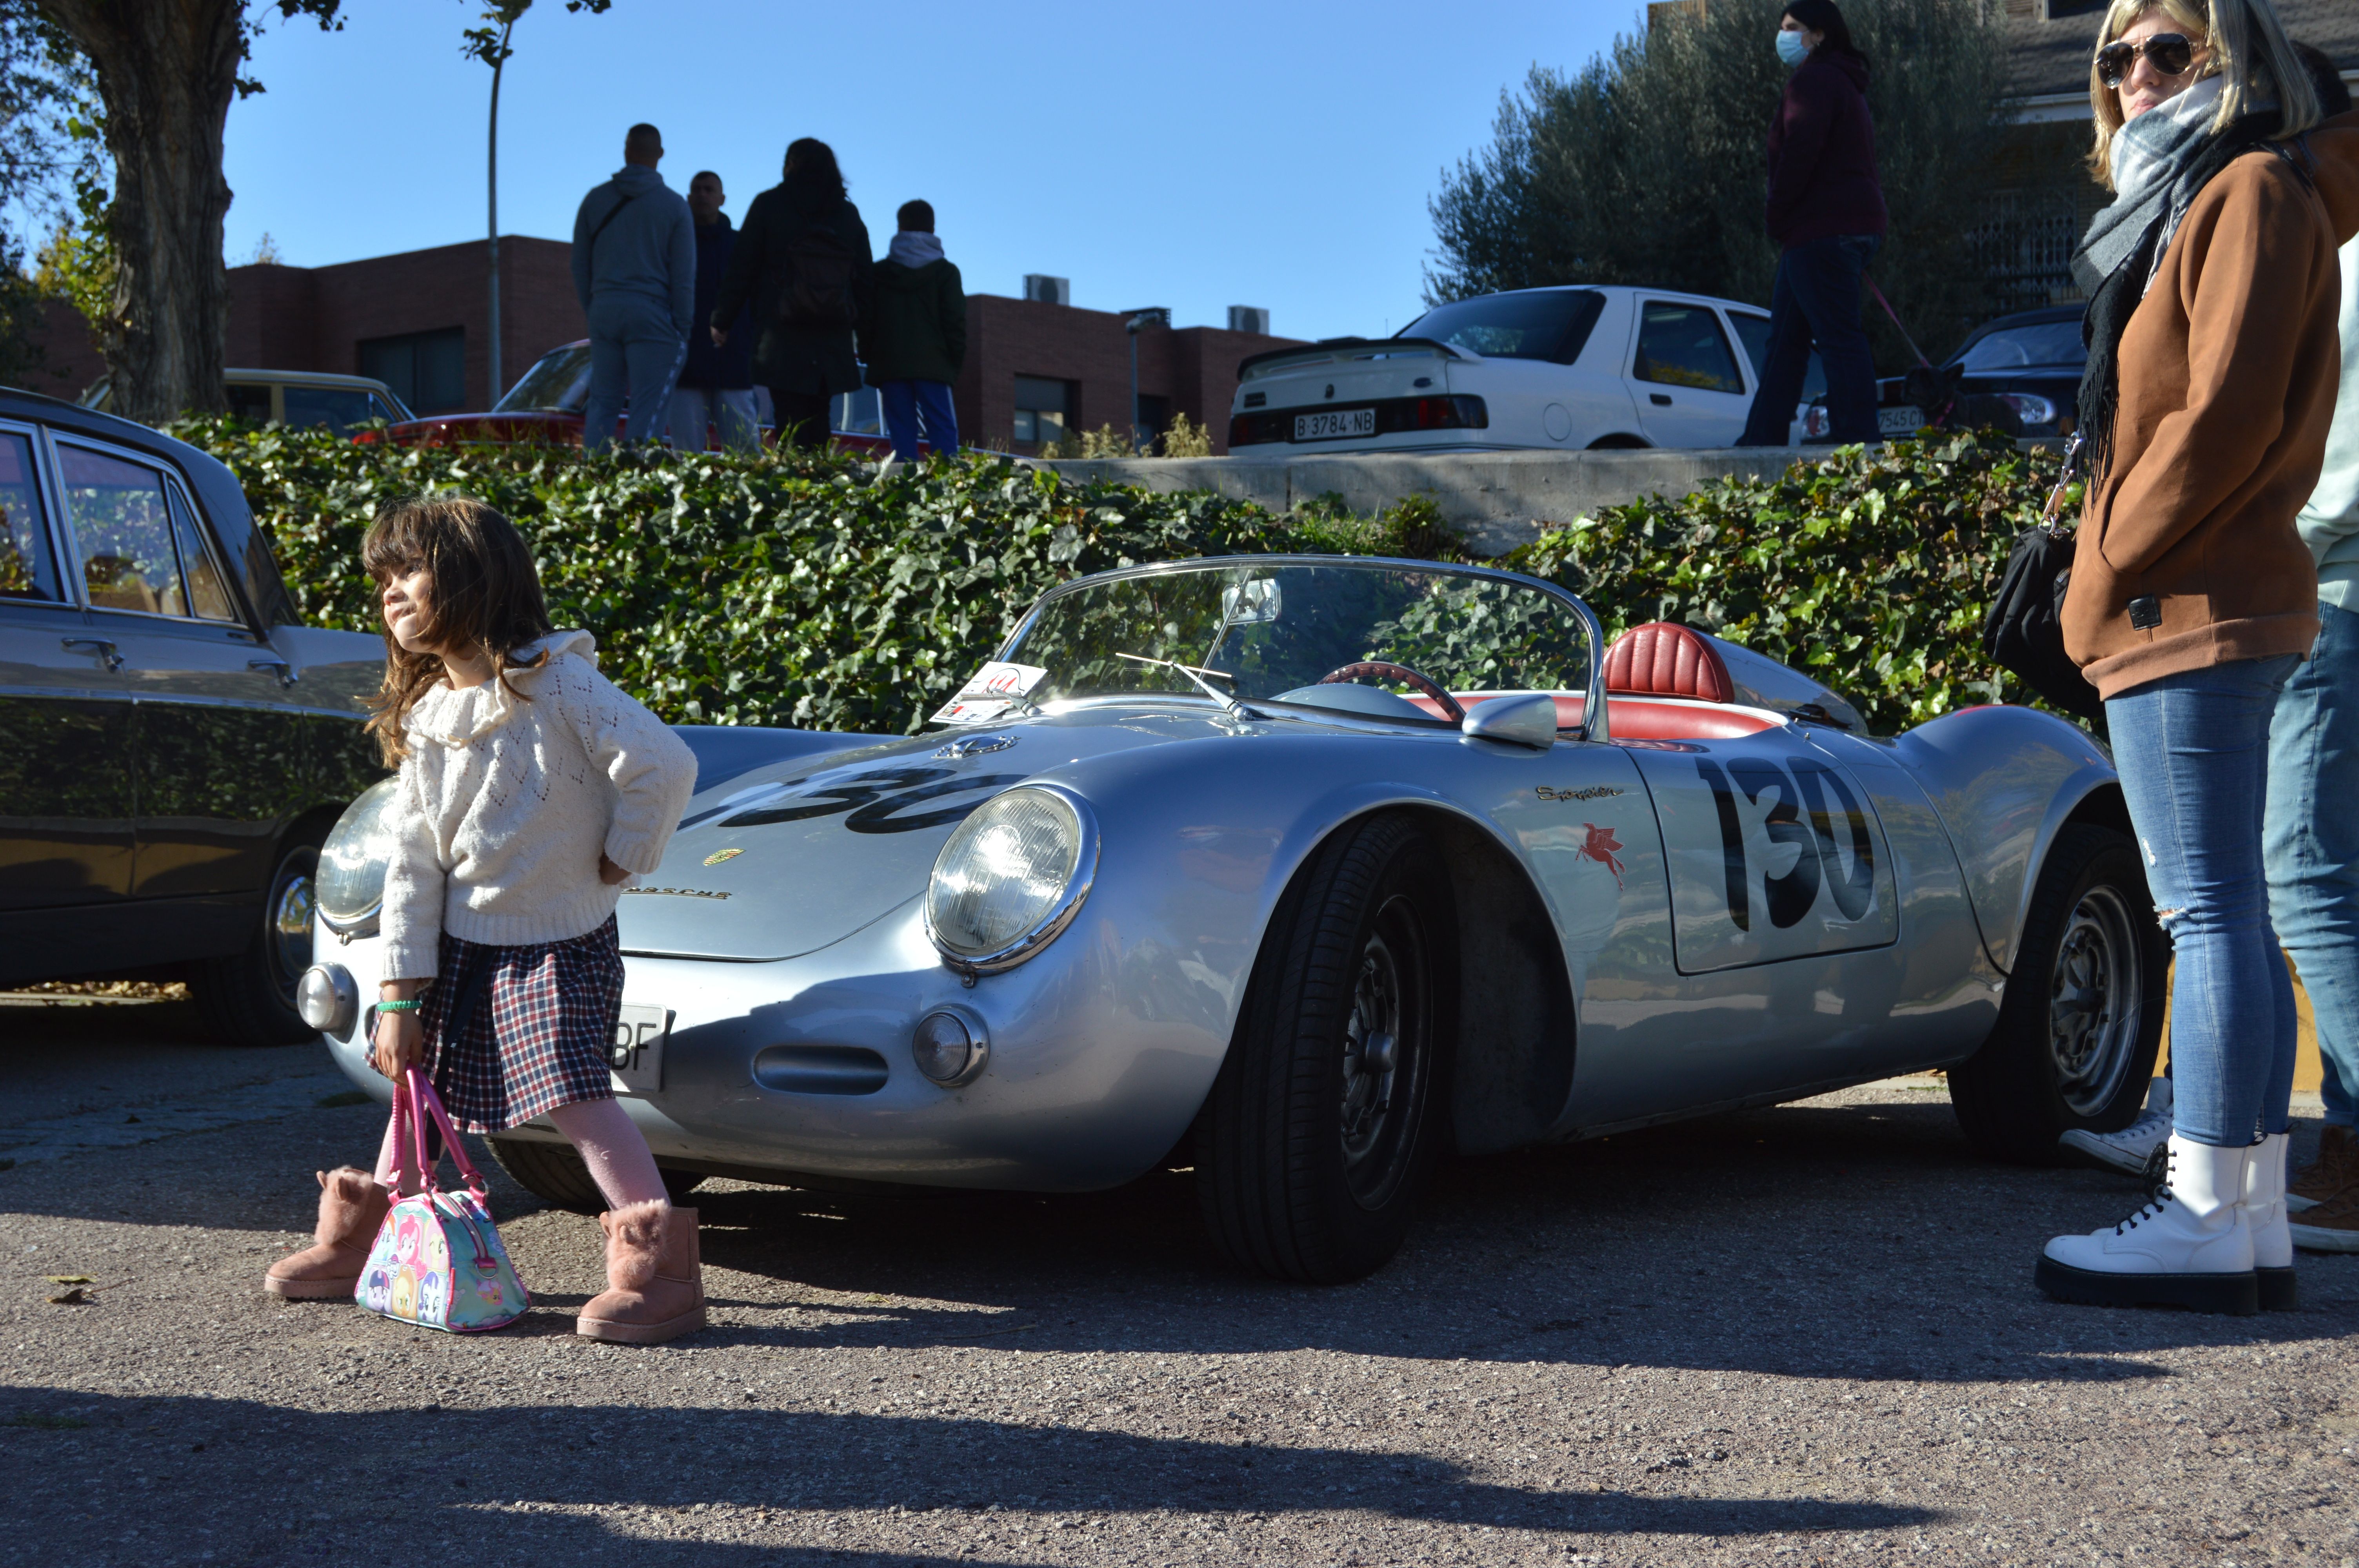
(437,1261)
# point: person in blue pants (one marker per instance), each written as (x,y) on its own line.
(634,273)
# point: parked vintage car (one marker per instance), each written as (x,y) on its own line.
(297,399)
(1548,369)
(2025,369)
(548,404)
(1303,870)
(174,744)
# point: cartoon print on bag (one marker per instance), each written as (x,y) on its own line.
(379,1290)
(405,1294)
(405,1238)
(434,1297)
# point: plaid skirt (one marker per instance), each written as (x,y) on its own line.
(538,1033)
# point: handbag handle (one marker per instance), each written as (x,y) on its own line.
(413,1098)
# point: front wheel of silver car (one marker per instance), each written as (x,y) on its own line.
(555,1174)
(1325,1119)
(2077,1036)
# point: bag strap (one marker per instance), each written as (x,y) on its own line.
(2050,516)
(424,1101)
(589,245)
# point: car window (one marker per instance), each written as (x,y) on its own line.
(1537,324)
(1753,333)
(125,528)
(1682,345)
(339,408)
(2030,343)
(29,568)
(559,380)
(209,596)
(248,401)
(379,408)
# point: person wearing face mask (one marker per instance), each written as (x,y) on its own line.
(2211,387)
(1826,215)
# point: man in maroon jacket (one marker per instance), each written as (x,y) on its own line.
(1826,214)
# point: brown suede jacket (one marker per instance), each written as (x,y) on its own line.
(2187,555)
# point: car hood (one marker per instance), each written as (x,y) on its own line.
(789,857)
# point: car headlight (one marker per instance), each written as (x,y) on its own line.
(2030,407)
(350,885)
(1011,878)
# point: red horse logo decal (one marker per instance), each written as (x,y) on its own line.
(1599,847)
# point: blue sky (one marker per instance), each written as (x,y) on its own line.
(1194,157)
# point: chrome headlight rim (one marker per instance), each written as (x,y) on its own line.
(1076,891)
(350,925)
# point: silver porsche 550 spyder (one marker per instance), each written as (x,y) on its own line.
(1308,871)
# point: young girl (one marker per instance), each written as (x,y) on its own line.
(531,790)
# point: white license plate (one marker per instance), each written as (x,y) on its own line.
(1332,424)
(1905,420)
(636,1055)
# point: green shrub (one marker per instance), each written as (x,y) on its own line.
(794,589)
(1871,569)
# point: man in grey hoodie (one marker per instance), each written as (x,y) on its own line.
(634,271)
(2311,831)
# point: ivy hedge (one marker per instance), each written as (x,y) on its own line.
(799,589)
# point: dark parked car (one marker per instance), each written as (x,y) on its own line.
(2030,361)
(174,746)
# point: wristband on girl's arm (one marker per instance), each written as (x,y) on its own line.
(410,1006)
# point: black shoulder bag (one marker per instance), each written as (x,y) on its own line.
(2024,631)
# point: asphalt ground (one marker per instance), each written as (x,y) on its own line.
(1798,1336)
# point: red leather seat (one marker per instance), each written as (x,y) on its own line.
(1663,659)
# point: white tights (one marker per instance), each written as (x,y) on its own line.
(609,1142)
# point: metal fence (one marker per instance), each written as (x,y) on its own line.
(2024,250)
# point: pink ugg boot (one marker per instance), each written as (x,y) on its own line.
(352,1206)
(655,1280)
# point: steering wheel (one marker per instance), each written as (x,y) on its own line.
(1380,669)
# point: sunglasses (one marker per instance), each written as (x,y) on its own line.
(2170,54)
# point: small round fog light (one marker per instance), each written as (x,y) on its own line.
(950,1046)
(328,999)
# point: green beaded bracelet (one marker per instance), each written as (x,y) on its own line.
(398,1006)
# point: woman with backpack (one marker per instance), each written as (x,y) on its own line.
(802,259)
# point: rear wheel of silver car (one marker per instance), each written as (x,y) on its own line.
(248,998)
(555,1174)
(2076,1038)
(1325,1121)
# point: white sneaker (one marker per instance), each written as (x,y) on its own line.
(2263,1209)
(2189,1246)
(2129,1149)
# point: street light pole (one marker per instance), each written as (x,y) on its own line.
(1148,315)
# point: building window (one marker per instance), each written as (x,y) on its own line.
(1044,409)
(428,371)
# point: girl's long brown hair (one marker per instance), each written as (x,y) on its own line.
(486,594)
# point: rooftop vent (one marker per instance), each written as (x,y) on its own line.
(1249,318)
(1047,290)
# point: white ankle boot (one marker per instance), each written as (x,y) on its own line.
(2127,1150)
(2263,1208)
(2189,1246)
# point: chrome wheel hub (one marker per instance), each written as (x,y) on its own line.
(2095,1000)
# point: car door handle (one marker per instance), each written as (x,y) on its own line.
(1659,399)
(99,645)
(288,675)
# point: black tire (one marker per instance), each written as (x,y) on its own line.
(554,1173)
(1306,1164)
(249,999)
(2076,1037)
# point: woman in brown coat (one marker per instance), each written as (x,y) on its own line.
(2212,367)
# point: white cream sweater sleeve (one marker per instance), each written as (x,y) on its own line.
(652,769)
(414,885)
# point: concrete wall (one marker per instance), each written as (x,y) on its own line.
(1499,500)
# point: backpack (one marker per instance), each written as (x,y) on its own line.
(818,295)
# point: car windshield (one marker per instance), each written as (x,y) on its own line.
(2026,344)
(558,383)
(1272,630)
(1534,324)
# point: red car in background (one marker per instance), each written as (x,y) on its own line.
(546,405)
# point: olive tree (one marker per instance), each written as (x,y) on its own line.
(1648,165)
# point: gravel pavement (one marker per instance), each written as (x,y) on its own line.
(1790,1336)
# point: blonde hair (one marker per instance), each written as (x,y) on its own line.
(2244,44)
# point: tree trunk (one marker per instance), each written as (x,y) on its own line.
(167,70)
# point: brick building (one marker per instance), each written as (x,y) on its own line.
(419,321)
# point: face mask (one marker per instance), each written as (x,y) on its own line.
(1791,49)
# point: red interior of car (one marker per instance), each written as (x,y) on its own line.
(1663,682)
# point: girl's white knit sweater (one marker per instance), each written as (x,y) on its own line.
(504,806)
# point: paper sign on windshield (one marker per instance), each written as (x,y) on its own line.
(991,692)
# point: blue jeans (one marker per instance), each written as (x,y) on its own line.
(2313,846)
(1817,297)
(635,355)
(2194,750)
(699,412)
(904,403)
